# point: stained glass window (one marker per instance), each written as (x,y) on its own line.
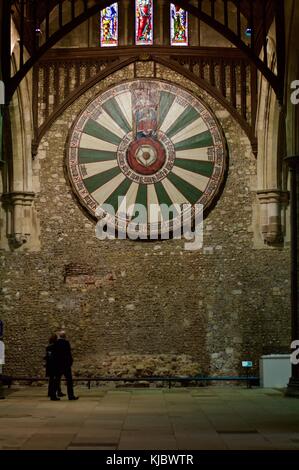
(178,26)
(144,22)
(109,26)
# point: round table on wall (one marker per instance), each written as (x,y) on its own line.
(153,146)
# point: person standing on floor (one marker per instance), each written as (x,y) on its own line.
(65,362)
(52,368)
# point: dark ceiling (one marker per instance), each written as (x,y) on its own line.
(35,11)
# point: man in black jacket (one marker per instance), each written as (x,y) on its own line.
(65,362)
(52,368)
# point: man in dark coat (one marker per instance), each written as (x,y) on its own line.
(52,368)
(65,362)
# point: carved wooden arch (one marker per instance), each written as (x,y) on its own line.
(252,54)
(119,64)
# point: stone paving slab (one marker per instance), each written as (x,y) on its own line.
(205,418)
(43,441)
(141,441)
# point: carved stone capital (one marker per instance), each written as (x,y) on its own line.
(271,201)
(19,204)
(269,196)
(21,198)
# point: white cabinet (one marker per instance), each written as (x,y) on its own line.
(275,370)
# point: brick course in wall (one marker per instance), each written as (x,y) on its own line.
(145,306)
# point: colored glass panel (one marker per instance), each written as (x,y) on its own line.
(144,22)
(109,26)
(178,26)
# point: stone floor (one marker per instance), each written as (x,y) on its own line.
(210,418)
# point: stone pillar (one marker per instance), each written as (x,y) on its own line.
(293,163)
(271,202)
(21,222)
